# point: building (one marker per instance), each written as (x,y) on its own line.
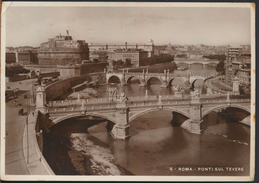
(159,49)
(244,76)
(244,71)
(195,55)
(98,56)
(63,50)
(238,64)
(164,49)
(135,56)
(10,57)
(97,51)
(27,57)
(22,55)
(233,56)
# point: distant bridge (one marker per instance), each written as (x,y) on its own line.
(203,62)
(165,78)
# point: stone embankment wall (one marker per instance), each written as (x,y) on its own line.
(33,145)
(50,74)
(58,88)
(41,68)
(69,70)
(15,78)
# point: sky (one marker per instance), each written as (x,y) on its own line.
(30,26)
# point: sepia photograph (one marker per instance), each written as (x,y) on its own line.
(127,91)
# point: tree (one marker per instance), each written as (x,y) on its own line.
(221,57)
(174,66)
(128,62)
(220,67)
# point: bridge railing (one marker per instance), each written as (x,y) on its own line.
(225,100)
(151,98)
(147,103)
(170,74)
(80,108)
(100,100)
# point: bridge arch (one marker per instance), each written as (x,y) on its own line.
(194,80)
(150,78)
(211,63)
(247,109)
(129,79)
(74,115)
(171,80)
(140,113)
(113,76)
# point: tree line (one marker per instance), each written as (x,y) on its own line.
(221,57)
(157,59)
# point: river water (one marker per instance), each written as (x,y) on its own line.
(82,146)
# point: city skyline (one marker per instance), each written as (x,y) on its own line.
(176,25)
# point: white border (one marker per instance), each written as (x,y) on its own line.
(6,5)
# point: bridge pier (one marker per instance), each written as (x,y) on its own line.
(123,82)
(121,129)
(163,84)
(41,99)
(143,82)
(193,125)
(120,132)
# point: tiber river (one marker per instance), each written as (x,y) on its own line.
(156,145)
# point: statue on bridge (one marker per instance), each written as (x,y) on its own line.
(178,91)
(195,94)
(112,94)
(178,88)
(122,98)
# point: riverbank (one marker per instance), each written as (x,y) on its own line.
(75,151)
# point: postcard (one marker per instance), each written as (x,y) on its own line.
(128,91)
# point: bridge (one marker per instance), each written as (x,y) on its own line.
(119,113)
(165,78)
(204,62)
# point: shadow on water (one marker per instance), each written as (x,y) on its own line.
(67,159)
(55,150)
(178,119)
(223,123)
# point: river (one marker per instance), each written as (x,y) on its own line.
(156,146)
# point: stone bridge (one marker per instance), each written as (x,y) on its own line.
(203,62)
(165,78)
(120,114)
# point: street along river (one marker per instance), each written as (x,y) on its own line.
(157,145)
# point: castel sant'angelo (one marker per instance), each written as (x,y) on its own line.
(63,50)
